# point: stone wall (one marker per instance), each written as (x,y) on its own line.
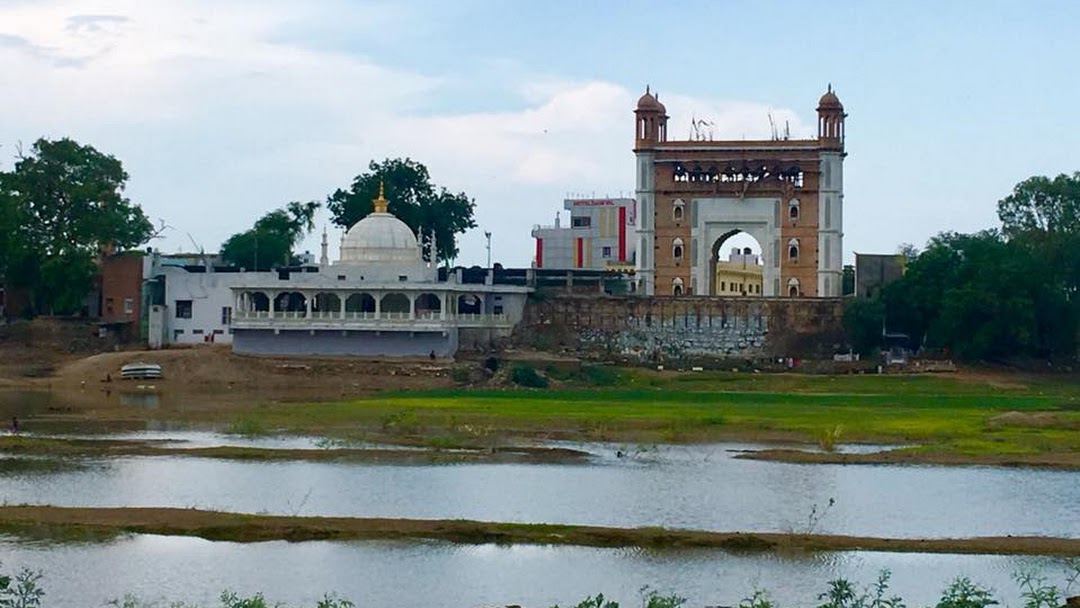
(655,329)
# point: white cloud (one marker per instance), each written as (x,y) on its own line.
(222,111)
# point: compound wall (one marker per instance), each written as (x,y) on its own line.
(650,329)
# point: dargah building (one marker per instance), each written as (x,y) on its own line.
(382,298)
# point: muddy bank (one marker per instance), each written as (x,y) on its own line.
(1064,461)
(104,448)
(60,523)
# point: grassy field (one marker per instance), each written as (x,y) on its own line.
(956,414)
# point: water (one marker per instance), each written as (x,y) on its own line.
(699,487)
(434,574)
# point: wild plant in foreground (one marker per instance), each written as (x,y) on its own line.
(22,590)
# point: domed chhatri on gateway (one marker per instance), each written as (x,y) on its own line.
(380,237)
(829,101)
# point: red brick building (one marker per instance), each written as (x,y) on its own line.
(121,277)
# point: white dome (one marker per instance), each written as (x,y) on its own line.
(379,237)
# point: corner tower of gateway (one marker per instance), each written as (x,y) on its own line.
(693,195)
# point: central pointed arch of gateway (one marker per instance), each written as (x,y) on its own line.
(736,266)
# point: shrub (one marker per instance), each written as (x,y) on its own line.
(600,375)
(524,375)
(460,374)
(594,602)
(962,593)
(22,590)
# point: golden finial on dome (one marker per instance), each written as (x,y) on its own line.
(380,203)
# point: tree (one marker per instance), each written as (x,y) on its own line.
(847,280)
(270,241)
(65,201)
(1042,215)
(413,199)
(982,297)
(863,320)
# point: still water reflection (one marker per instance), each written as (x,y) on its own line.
(438,574)
(700,487)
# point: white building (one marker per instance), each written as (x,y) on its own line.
(599,236)
(380,299)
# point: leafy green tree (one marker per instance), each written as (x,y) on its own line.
(981,297)
(269,243)
(61,206)
(1043,215)
(847,280)
(863,321)
(413,199)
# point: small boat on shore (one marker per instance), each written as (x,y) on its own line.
(139,371)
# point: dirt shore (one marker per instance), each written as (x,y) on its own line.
(61,523)
(905,456)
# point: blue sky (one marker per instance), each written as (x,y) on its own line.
(222,111)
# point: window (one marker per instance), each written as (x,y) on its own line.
(129,306)
(581,221)
(723,285)
(218,332)
(183,309)
(197,332)
(109,305)
(677,249)
(677,210)
(497,309)
(793,250)
(793,287)
(341,277)
(402,278)
(676,287)
(226,315)
(605,252)
(793,209)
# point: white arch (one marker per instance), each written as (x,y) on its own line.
(677,248)
(676,286)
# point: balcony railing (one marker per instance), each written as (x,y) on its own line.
(266,318)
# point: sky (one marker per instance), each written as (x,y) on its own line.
(222,110)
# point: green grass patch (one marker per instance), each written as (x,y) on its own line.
(948,413)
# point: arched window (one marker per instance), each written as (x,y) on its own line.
(676,286)
(677,210)
(793,287)
(793,250)
(677,249)
(793,209)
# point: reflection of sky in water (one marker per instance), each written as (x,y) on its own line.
(392,573)
(700,487)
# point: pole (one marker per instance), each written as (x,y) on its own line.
(487,235)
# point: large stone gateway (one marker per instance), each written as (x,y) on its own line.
(693,195)
(655,329)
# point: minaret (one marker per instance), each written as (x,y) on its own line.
(650,130)
(434,253)
(324,259)
(830,194)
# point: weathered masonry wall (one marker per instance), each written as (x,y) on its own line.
(659,328)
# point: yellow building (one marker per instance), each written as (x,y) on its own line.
(740,275)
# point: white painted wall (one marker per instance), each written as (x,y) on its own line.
(209,293)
